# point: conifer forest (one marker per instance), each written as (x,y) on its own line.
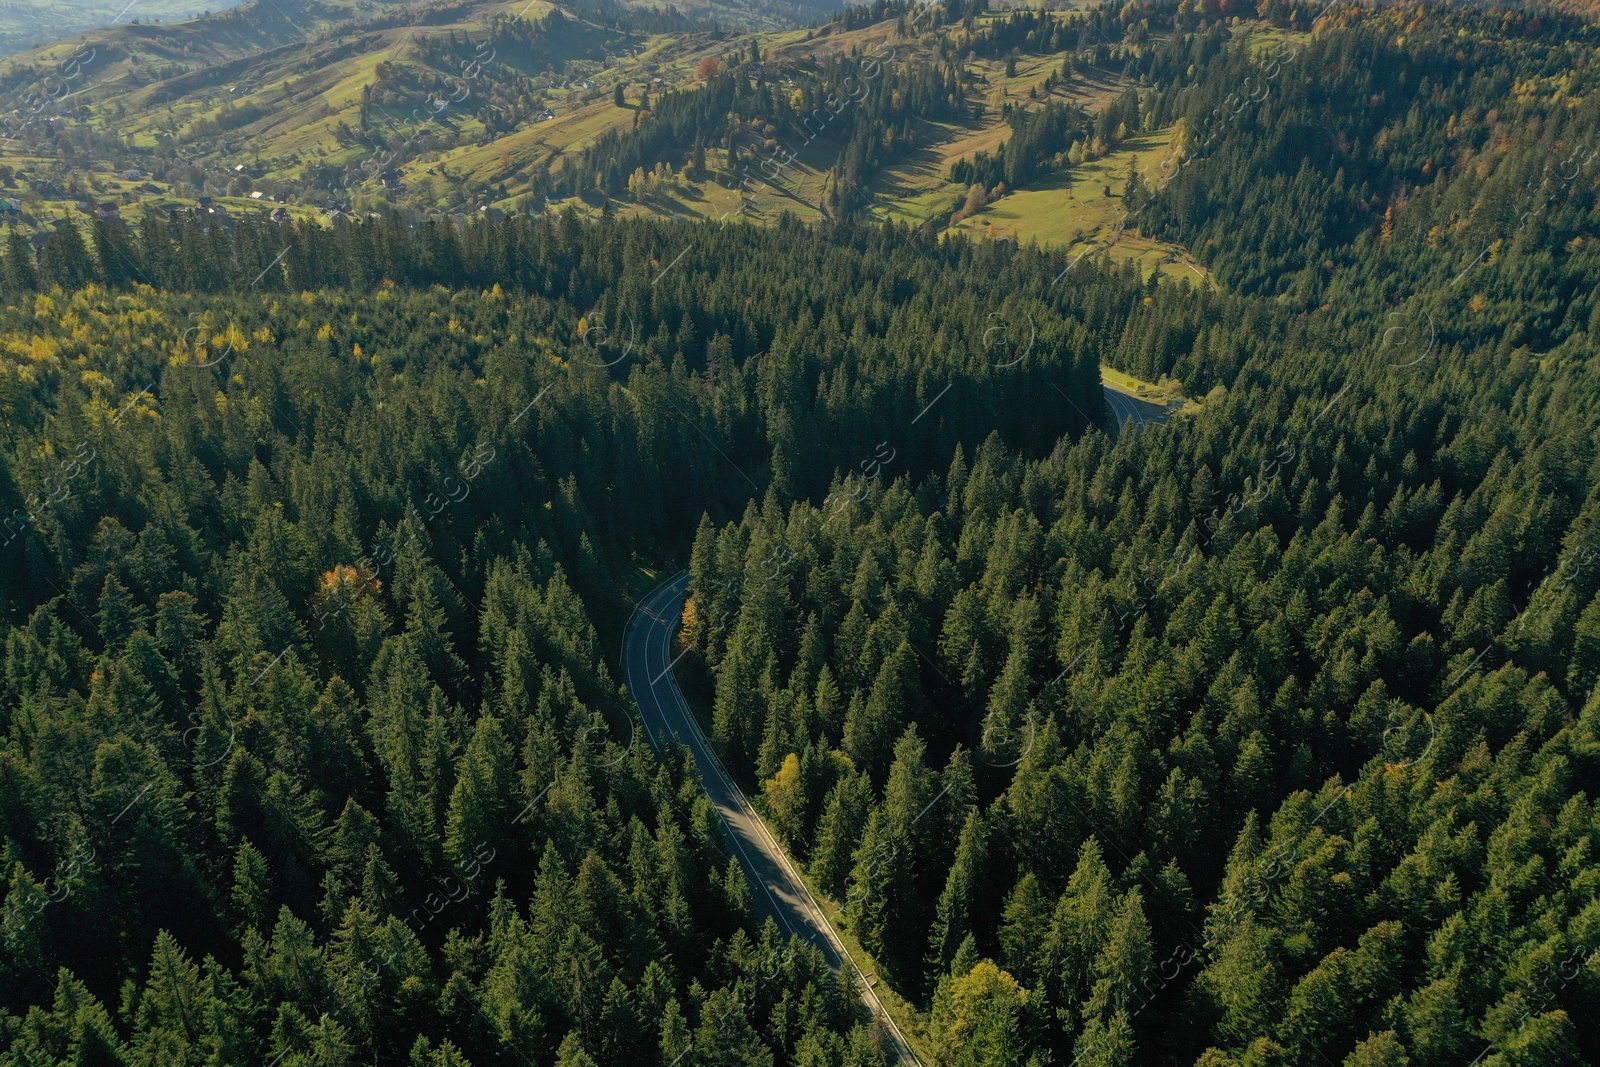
(935,533)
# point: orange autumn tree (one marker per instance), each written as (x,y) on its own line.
(341,587)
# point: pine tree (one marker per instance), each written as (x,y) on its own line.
(675,1041)
(65,261)
(572,1054)
(725,1037)
(871,728)
(478,823)
(16,269)
(844,818)
(252,886)
(22,934)
(738,719)
(1079,928)
(1122,967)
(953,917)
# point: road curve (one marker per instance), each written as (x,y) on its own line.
(775,886)
(1124,407)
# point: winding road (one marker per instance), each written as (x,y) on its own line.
(1124,407)
(775,885)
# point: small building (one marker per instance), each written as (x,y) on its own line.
(9,207)
(133,174)
(107,211)
(258,195)
(280,215)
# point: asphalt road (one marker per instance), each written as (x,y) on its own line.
(1124,407)
(775,887)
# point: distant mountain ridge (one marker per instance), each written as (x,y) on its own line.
(25,24)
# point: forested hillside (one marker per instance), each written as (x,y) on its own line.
(312,744)
(1268,736)
(1263,736)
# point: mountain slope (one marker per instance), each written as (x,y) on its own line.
(594,107)
(26,23)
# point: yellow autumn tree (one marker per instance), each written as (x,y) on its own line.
(977,1018)
(786,799)
(691,613)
